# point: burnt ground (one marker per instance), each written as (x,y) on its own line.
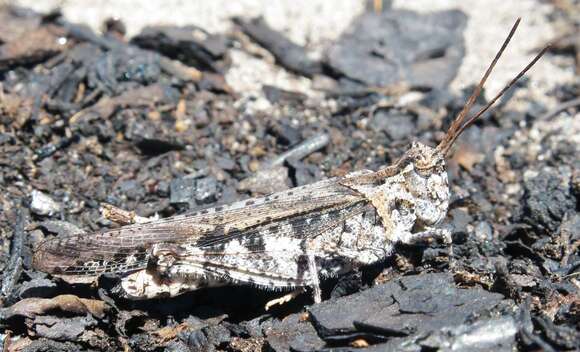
(149,124)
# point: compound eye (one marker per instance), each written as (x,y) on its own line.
(404,206)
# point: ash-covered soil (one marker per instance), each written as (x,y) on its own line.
(150,124)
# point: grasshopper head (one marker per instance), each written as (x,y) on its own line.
(412,195)
(425,159)
(426,180)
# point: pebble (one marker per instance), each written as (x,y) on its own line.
(266,181)
(483,231)
(43,205)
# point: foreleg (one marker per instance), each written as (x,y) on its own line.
(428,235)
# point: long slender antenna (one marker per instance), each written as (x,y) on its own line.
(458,122)
(501,92)
(459,125)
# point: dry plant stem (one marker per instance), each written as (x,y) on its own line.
(284,299)
(121,216)
(302,150)
(559,108)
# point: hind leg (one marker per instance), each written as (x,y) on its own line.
(314,284)
(144,285)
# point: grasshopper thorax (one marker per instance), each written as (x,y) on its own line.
(425,181)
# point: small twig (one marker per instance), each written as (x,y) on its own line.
(86,34)
(177,69)
(121,216)
(303,149)
(559,108)
(12,273)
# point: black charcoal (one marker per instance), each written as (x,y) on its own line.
(375,51)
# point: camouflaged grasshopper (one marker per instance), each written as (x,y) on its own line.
(289,239)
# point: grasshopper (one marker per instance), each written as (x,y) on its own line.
(286,240)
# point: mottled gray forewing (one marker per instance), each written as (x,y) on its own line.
(126,249)
(271,255)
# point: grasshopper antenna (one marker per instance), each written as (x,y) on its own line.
(459,125)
